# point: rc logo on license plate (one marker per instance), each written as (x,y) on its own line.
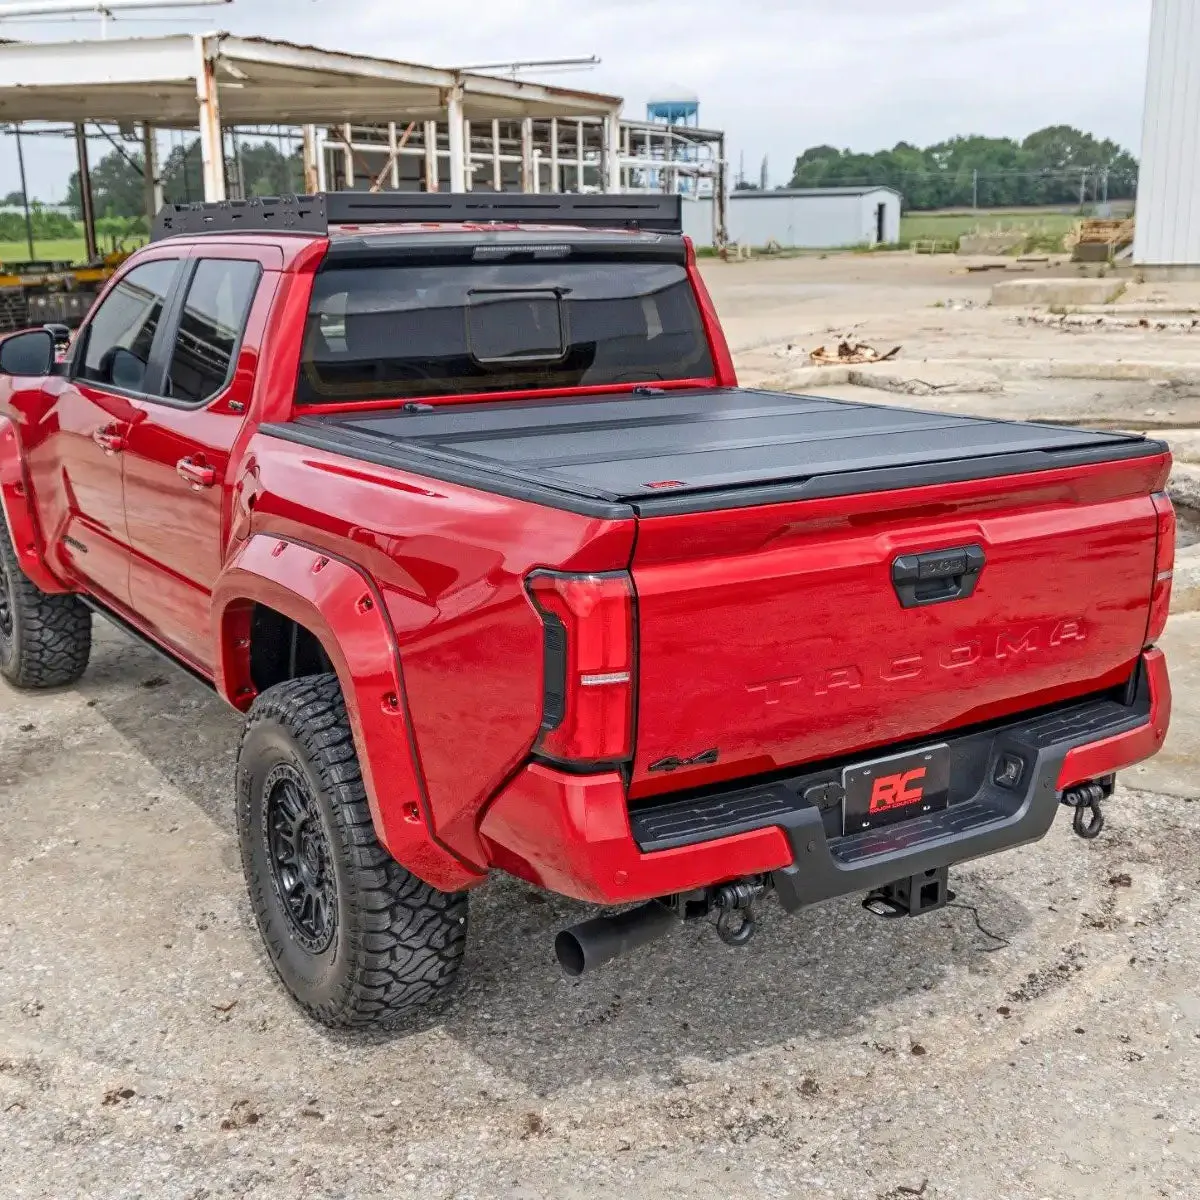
(895,788)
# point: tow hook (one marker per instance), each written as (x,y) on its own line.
(736,924)
(1085,799)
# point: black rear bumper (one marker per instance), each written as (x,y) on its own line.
(983,816)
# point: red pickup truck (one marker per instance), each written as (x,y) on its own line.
(458,500)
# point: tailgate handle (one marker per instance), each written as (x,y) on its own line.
(937,575)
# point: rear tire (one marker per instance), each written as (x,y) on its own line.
(45,641)
(356,939)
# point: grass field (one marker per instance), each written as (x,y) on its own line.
(951,226)
(70,249)
(53,249)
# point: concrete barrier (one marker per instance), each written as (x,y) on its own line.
(1056,293)
(1185,587)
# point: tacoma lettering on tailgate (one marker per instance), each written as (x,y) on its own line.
(1004,646)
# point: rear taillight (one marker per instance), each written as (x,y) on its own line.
(587,700)
(1164,568)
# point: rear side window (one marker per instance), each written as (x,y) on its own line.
(121,332)
(397,332)
(210,328)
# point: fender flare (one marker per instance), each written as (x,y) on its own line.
(341,606)
(16,499)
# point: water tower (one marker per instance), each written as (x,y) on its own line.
(675,108)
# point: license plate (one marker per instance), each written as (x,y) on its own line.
(896,788)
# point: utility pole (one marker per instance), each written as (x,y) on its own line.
(975,189)
(87,208)
(24,191)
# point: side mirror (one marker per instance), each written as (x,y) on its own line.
(28,353)
(122,368)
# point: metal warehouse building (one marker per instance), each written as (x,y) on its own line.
(809,218)
(1168,216)
(816,217)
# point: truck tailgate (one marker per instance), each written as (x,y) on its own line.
(780,635)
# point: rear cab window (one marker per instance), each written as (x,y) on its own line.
(405,330)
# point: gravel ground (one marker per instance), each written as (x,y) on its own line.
(1039,1039)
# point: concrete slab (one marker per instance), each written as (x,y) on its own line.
(923,378)
(1185,445)
(1051,293)
(1185,587)
(1160,370)
(1162,292)
(1175,771)
(1125,308)
(1184,485)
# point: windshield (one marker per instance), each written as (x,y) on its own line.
(383,332)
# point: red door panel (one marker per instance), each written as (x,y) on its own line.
(75,462)
(175,524)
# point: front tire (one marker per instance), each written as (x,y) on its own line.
(45,641)
(356,939)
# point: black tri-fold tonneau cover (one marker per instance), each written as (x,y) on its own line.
(659,452)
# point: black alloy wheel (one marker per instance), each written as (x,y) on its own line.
(300,860)
(6,608)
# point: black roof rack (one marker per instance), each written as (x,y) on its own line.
(652,212)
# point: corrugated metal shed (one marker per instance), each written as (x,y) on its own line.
(817,218)
(810,218)
(1168,201)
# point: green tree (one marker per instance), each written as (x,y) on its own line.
(117,189)
(266,171)
(1048,167)
(182,174)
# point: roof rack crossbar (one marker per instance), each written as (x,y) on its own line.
(651,212)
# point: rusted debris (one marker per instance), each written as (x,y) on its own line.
(1087,320)
(1097,240)
(847,353)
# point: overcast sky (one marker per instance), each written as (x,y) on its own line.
(777,75)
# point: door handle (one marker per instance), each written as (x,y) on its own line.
(109,440)
(937,575)
(196,474)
